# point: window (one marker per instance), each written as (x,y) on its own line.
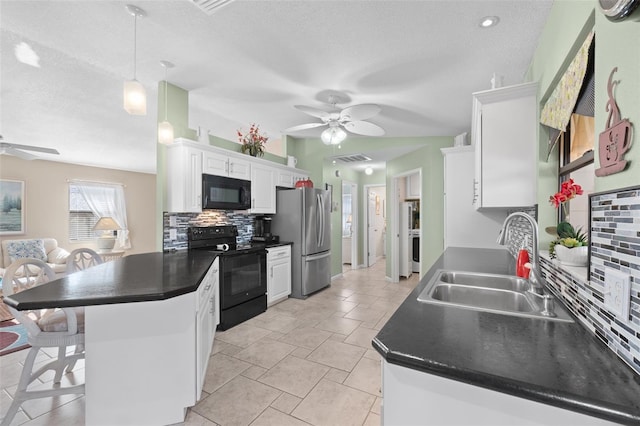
(81,218)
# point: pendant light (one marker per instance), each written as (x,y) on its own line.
(165,129)
(334,135)
(135,97)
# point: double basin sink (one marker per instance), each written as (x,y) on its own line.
(503,294)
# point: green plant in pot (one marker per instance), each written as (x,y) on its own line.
(567,236)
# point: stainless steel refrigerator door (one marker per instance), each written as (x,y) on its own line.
(316,272)
(317,232)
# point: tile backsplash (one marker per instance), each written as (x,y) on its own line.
(615,243)
(244,222)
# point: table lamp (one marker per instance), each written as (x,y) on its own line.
(107,240)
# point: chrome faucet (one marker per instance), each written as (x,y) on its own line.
(535,277)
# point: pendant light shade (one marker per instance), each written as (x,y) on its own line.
(135,97)
(165,129)
(334,135)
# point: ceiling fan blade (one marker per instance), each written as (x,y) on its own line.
(17,153)
(314,112)
(303,127)
(29,148)
(359,112)
(364,128)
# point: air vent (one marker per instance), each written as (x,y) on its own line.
(353,158)
(210,6)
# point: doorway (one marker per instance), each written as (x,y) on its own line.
(349,225)
(406,187)
(375,224)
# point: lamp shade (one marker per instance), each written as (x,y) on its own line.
(333,136)
(165,133)
(106,223)
(135,98)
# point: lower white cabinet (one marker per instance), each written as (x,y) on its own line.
(278,273)
(207,319)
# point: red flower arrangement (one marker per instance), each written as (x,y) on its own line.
(568,190)
(566,234)
(252,141)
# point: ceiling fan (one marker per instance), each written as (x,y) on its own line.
(16,150)
(350,118)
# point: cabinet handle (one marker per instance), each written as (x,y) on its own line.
(226,166)
(272,272)
(253,202)
(230,167)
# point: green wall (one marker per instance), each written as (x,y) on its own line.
(568,24)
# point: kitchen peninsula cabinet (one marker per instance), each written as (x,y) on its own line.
(184,179)
(278,273)
(504,133)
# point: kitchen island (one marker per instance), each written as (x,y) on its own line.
(141,333)
(494,368)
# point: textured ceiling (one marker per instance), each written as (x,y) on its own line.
(251,62)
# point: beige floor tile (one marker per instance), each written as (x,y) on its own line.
(361,299)
(362,337)
(365,314)
(254,372)
(271,417)
(336,375)
(222,368)
(286,403)
(70,414)
(265,353)
(195,419)
(338,325)
(332,404)
(307,337)
(337,355)
(372,419)
(223,347)
(242,335)
(377,406)
(238,402)
(280,323)
(302,352)
(294,375)
(372,354)
(366,376)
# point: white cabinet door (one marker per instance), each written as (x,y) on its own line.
(278,274)
(413,186)
(206,323)
(263,189)
(285,178)
(222,165)
(239,168)
(184,179)
(464,226)
(505,139)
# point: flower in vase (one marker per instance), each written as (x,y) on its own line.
(567,235)
(252,142)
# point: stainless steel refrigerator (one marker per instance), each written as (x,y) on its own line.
(303,218)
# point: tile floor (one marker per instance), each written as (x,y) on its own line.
(301,362)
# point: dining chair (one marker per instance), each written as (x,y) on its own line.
(46,328)
(82,258)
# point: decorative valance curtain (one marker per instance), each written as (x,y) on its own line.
(557,111)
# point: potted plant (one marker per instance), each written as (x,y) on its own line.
(571,245)
(252,142)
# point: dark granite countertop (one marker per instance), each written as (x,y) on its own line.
(556,363)
(281,243)
(134,278)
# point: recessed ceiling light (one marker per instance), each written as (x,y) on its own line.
(25,54)
(489,21)
(368,171)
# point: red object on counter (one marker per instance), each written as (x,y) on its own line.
(304,183)
(523,258)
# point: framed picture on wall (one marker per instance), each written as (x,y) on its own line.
(11,207)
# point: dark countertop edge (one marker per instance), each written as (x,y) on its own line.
(112,300)
(524,390)
(281,243)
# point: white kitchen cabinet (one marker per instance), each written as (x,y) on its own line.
(278,273)
(263,189)
(184,179)
(208,317)
(464,226)
(413,187)
(412,397)
(214,163)
(284,178)
(504,133)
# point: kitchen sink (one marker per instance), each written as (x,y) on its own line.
(503,294)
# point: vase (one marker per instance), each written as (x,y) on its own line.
(575,256)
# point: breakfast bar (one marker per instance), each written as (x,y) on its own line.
(141,333)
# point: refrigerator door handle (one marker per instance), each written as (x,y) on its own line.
(317,256)
(319,221)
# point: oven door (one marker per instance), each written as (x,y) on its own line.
(243,277)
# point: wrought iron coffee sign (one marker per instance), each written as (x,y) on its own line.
(615,141)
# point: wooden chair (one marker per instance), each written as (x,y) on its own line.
(46,328)
(82,258)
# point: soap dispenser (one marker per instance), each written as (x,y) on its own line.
(523,258)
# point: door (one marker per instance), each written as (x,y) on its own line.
(316,272)
(371,228)
(405,214)
(316,224)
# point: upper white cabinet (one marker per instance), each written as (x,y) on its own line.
(263,189)
(184,179)
(504,132)
(413,186)
(214,163)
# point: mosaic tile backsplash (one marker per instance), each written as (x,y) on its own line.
(244,222)
(615,243)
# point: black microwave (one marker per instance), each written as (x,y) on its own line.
(225,193)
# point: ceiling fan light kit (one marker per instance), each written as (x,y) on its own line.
(165,129)
(135,97)
(334,135)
